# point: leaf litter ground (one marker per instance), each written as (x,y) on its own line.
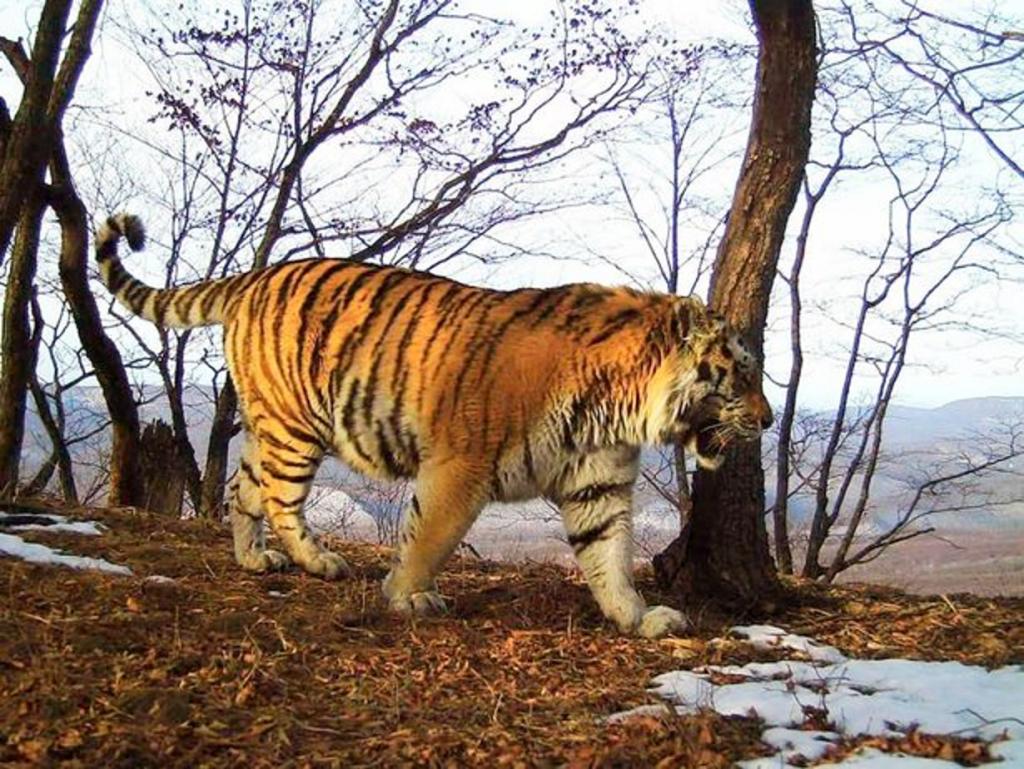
(191,662)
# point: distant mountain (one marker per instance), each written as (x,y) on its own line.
(907,426)
(916,439)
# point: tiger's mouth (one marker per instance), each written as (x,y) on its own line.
(707,444)
(712,429)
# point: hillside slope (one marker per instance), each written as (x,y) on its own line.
(211,666)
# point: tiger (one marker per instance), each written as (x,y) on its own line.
(479,395)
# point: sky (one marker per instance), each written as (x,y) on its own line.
(943,366)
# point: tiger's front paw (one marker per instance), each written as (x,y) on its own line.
(328,565)
(660,621)
(264,560)
(425,603)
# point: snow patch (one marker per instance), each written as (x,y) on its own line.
(34,552)
(771,637)
(857,697)
(795,742)
(1010,751)
(53,523)
(876,759)
(657,711)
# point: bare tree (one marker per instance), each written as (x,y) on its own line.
(723,552)
(53,418)
(44,102)
(981,475)
(392,499)
(74,427)
(830,160)
(920,304)
(26,139)
(667,478)
(125,478)
(384,503)
(18,349)
(967,67)
(665,176)
(882,125)
(341,517)
(665,173)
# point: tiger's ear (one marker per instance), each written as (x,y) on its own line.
(685,311)
(717,325)
(692,303)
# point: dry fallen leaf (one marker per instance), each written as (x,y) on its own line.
(214,671)
(70,740)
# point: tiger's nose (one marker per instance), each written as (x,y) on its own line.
(763,410)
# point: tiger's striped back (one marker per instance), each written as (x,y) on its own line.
(385,367)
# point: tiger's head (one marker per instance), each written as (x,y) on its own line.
(723,401)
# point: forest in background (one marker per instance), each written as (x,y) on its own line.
(559,141)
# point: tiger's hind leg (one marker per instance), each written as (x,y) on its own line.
(245,509)
(596,503)
(286,477)
(448,499)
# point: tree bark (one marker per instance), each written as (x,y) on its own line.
(125,481)
(163,469)
(17,351)
(28,144)
(725,553)
(215,475)
(33,137)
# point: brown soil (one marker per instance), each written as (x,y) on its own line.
(984,562)
(224,668)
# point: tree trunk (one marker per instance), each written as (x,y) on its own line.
(186,457)
(28,144)
(780,509)
(18,351)
(125,482)
(36,485)
(724,552)
(29,141)
(163,469)
(60,456)
(683,492)
(54,425)
(215,475)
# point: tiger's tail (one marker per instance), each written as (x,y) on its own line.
(198,304)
